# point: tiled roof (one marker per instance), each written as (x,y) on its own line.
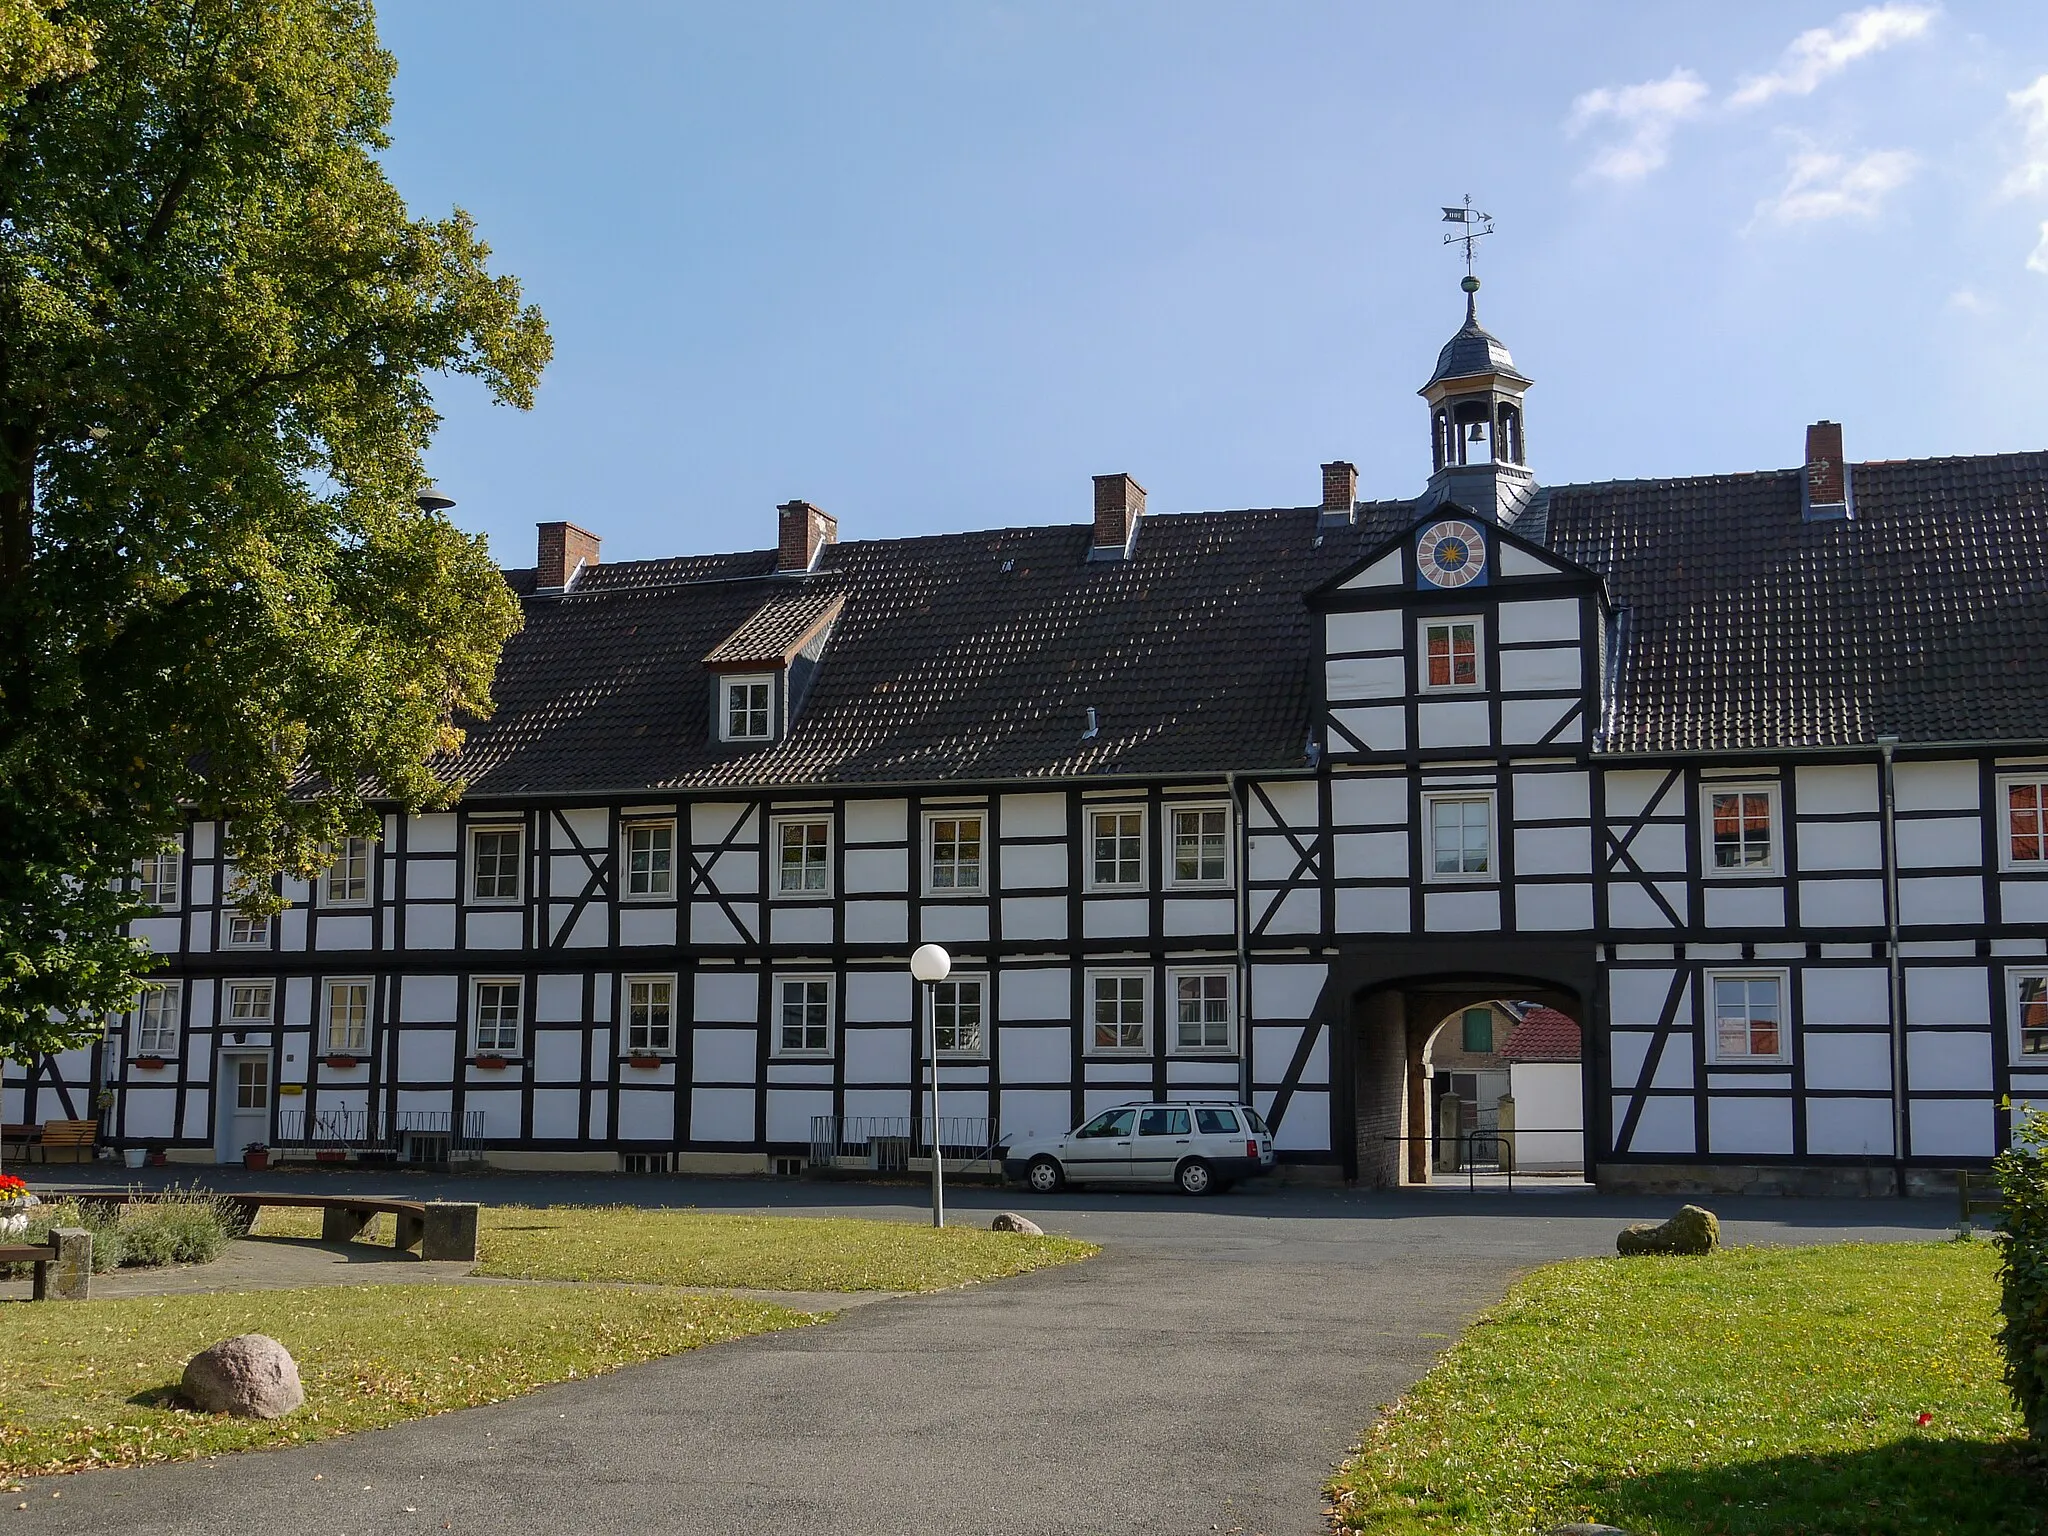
(1742,625)
(962,656)
(780,626)
(1543,1035)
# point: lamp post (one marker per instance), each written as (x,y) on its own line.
(931,965)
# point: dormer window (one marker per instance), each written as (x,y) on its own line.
(749,713)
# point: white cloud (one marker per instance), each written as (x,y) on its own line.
(1823,52)
(1969,301)
(2037,260)
(1647,112)
(1819,185)
(2029,174)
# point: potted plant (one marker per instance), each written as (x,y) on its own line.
(256,1157)
(151,1063)
(490,1061)
(341,1060)
(15,1204)
(643,1059)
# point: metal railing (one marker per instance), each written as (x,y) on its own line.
(414,1135)
(887,1143)
(1501,1149)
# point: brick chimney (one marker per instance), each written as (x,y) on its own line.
(1119,503)
(564,550)
(1827,472)
(1340,488)
(802,530)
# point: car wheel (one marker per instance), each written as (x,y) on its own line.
(1044,1176)
(1194,1177)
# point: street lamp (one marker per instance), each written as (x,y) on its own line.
(931,965)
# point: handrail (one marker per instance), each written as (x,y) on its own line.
(1501,1139)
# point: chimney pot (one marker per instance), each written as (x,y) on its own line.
(1119,503)
(564,550)
(1340,487)
(802,530)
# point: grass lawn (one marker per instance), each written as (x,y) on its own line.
(772,1253)
(89,1384)
(1757,1390)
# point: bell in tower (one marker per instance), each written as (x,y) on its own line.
(1477,455)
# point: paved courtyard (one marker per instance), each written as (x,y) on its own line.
(1202,1375)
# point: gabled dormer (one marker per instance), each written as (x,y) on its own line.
(762,670)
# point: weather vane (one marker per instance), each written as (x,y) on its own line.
(1473,227)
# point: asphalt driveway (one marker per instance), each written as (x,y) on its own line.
(1202,1375)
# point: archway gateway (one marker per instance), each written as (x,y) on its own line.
(1380,1111)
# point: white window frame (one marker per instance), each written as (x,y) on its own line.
(256,936)
(2015,986)
(1711,1017)
(777,1049)
(627,1004)
(230,995)
(1171,1011)
(979,817)
(1095,882)
(351,1042)
(2007,864)
(979,981)
(665,888)
(151,879)
(325,883)
(1768,788)
(476,992)
(1422,628)
(1430,800)
(1144,980)
(158,1036)
(482,829)
(726,685)
(775,827)
(1170,856)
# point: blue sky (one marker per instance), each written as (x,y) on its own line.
(932,266)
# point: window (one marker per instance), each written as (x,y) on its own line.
(1741,829)
(650,858)
(249,1002)
(1216,1122)
(1201,845)
(1117,842)
(650,1014)
(956,852)
(494,863)
(156,1021)
(1749,1016)
(2026,823)
(497,1015)
(1203,1012)
(348,1018)
(1164,1121)
(803,864)
(156,878)
(1119,1017)
(245,932)
(747,716)
(1450,654)
(1111,1122)
(347,881)
(1460,836)
(1478,1023)
(252,1082)
(803,1019)
(2030,1013)
(957,1016)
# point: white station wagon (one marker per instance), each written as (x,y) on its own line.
(1197,1145)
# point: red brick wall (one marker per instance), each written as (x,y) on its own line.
(1827,478)
(801,531)
(563,547)
(1340,487)
(1119,503)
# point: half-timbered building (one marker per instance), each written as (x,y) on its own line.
(1745,773)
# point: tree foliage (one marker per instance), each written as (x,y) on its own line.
(2022,1172)
(218,327)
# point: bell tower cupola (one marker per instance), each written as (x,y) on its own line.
(1478,455)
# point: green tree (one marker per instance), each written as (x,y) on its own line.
(218,327)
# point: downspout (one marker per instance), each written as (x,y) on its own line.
(1239,897)
(1895,975)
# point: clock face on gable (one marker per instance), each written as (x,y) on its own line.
(1450,554)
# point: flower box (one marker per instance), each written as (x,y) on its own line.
(329,1155)
(492,1063)
(643,1059)
(151,1063)
(341,1061)
(256,1158)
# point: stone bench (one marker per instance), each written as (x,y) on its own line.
(440,1229)
(63,1265)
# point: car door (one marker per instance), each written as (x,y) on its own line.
(1217,1133)
(1165,1136)
(1101,1149)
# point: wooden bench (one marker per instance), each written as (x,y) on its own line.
(1978,1194)
(15,1141)
(63,1265)
(78,1137)
(440,1229)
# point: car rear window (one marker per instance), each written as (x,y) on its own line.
(1257,1122)
(1163,1122)
(1216,1122)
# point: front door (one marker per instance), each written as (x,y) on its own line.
(244,1103)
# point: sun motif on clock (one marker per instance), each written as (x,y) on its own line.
(1450,554)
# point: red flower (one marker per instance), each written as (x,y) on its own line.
(1924,1420)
